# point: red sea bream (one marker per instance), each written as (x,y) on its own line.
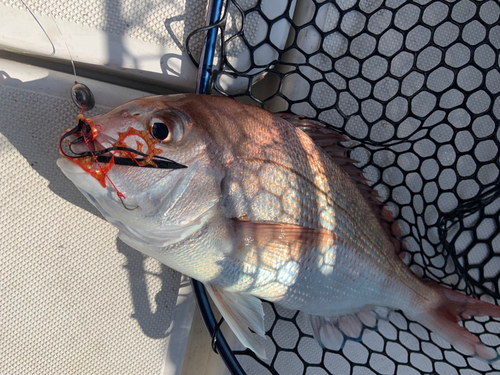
(261,212)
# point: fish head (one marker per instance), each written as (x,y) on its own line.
(159,205)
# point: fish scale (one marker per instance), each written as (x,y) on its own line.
(261,211)
(320,212)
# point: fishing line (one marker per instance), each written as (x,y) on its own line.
(120,195)
(67,48)
(41,27)
(87,141)
(49,39)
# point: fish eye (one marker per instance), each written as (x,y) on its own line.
(166,127)
(159,130)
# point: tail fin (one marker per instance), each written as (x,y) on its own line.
(453,306)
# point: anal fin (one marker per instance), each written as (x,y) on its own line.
(331,332)
(241,312)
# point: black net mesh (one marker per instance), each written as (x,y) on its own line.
(415,85)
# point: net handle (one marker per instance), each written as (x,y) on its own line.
(203,87)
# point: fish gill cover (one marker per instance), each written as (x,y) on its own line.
(415,85)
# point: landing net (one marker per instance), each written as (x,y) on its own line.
(415,85)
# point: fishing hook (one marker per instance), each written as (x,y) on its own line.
(125,206)
(160,161)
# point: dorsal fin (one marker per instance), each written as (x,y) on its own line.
(328,140)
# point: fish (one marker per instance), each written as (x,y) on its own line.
(258,206)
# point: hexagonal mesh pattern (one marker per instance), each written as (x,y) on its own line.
(415,85)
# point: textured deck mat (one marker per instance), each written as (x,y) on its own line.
(144,20)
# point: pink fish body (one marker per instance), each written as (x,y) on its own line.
(262,211)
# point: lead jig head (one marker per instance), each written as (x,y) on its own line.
(82,96)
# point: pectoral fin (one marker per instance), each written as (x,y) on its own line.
(281,242)
(241,312)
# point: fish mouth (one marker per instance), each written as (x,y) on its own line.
(80,142)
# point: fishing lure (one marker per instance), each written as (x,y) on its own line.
(98,162)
